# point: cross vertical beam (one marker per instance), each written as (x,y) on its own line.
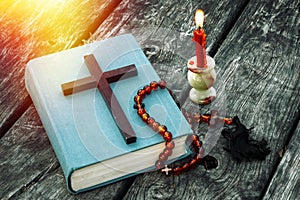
(101,80)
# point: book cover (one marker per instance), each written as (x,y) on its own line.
(81,127)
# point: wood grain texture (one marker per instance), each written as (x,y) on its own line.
(286,181)
(28,31)
(25,154)
(30,169)
(258,79)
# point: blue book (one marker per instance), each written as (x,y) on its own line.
(81,127)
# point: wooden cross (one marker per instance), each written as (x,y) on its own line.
(101,80)
(166,170)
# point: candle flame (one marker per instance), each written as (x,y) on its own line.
(199,18)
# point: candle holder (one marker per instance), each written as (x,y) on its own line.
(202,80)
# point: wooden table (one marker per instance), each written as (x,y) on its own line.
(256,47)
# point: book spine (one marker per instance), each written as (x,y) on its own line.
(32,86)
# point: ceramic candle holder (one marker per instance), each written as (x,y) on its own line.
(202,80)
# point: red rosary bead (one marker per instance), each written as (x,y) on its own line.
(167,152)
(193,162)
(137,99)
(141,111)
(197,143)
(195,138)
(147,89)
(150,121)
(185,167)
(154,85)
(170,145)
(228,120)
(145,117)
(205,118)
(155,126)
(162,129)
(167,136)
(141,93)
(177,170)
(159,164)
(162,84)
(162,157)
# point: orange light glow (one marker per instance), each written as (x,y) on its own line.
(199,18)
(44,26)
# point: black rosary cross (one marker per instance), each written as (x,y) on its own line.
(101,80)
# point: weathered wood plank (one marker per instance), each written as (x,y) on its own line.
(29,168)
(29,30)
(258,73)
(152,13)
(25,153)
(286,181)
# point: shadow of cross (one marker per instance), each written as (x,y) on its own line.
(101,80)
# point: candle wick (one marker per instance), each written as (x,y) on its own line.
(199,28)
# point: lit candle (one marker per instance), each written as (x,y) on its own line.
(200,39)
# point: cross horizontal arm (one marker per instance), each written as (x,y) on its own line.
(91,82)
(79,85)
(120,73)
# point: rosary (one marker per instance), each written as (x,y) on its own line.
(257,149)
